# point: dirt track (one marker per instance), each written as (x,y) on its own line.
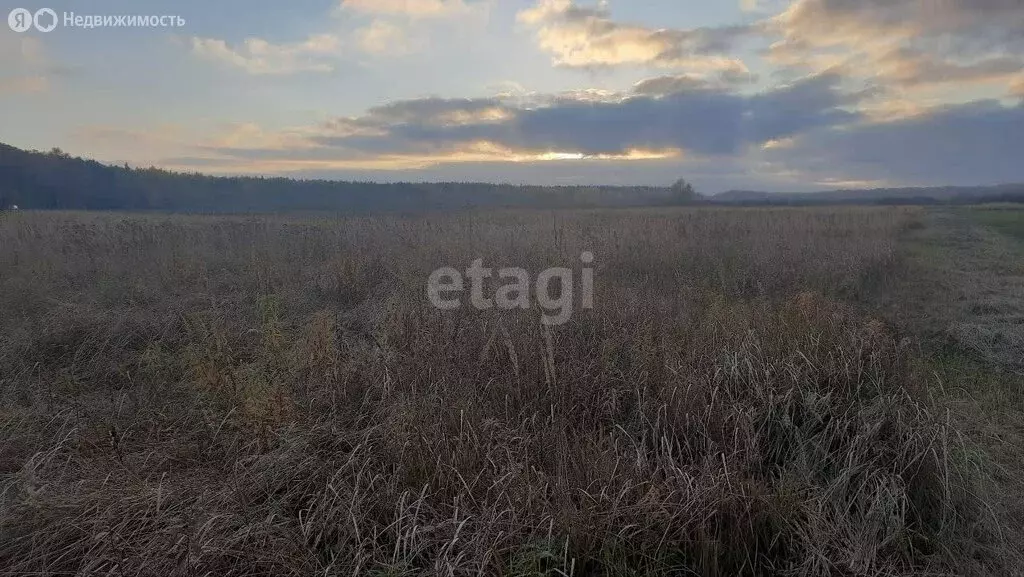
(965,301)
(966,291)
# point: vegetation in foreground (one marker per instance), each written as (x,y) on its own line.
(274,396)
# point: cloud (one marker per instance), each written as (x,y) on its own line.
(806,134)
(250,134)
(410,8)
(383,38)
(964,144)
(692,122)
(257,56)
(908,67)
(664,85)
(441,112)
(387,34)
(981,24)
(932,16)
(587,37)
(903,45)
(814,102)
(1017,86)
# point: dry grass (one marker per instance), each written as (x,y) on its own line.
(274,396)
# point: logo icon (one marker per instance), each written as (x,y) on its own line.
(20,20)
(45,25)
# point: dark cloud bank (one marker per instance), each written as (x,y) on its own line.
(973,143)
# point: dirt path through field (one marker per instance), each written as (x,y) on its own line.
(966,287)
(963,300)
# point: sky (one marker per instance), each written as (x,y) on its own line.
(730,94)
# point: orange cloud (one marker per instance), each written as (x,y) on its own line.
(1017,86)
(908,45)
(383,38)
(584,37)
(258,56)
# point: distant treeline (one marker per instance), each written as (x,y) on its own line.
(938,195)
(816,199)
(55,180)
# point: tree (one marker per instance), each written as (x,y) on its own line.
(683,192)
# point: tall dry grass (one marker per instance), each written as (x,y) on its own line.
(275,396)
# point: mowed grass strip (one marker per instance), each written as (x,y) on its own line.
(1006,219)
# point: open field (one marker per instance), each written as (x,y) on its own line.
(1007,219)
(806,391)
